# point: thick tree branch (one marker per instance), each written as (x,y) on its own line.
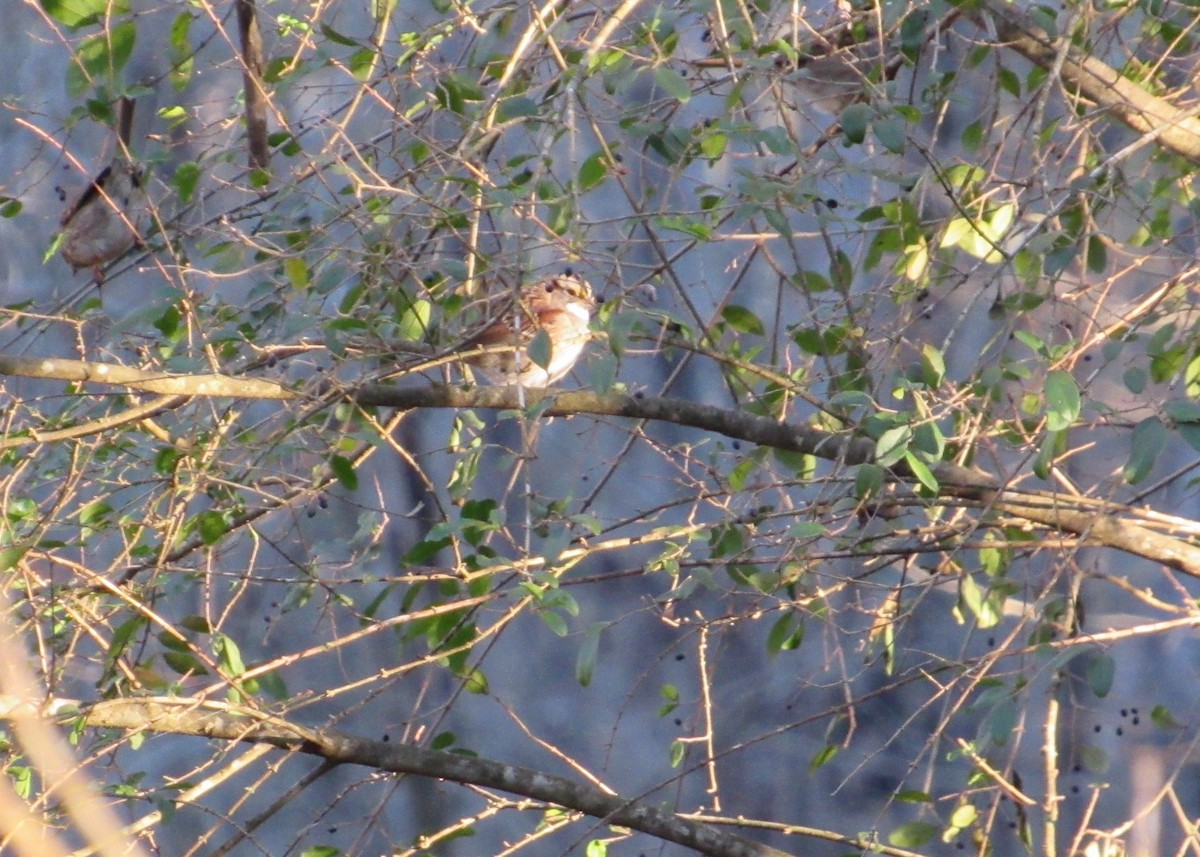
(1177,130)
(230,723)
(1096,522)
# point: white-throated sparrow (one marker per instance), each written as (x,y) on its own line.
(534,338)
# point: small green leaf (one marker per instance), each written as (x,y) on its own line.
(1161,717)
(891,134)
(983,603)
(868,479)
(912,835)
(892,445)
(1062,400)
(921,471)
(933,366)
(338,38)
(183,663)
(518,107)
(854,120)
(320,851)
(593,171)
(678,748)
(670,695)
(585,661)
(100,58)
(554,622)
(1149,437)
(596,848)
(741,319)
(1100,671)
(673,83)
(343,471)
(361,63)
(475,681)
(83,13)
(786,634)
(187,176)
(964,816)
(1097,254)
(540,348)
(822,756)
(296,271)
(229,655)
(211,526)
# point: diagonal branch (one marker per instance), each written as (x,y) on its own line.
(1096,522)
(1177,130)
(231,723)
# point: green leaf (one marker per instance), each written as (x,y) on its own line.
(296,271)
(1097,254)
(670,694)
(892,445)
(786,634)
(476,681)
(338,38)
(83,13)
(678,748)
(100,58)
(320,851)
(741,319)
(806,530)
(855,119)
(822,756)
(1149,437)
(361,63)
(187,176)
(182,54)
(891,134)
(540,348)
(343,471)
(984,604)
(1100,672)
(596,848)
(933,366)
(912,835)
(593,171)
(1062,400)
(922,472)
(212,526)
(585,661)
(1162,717)
(554,622)
(184,663)
(673,83)
(229,655)
(868,479)
(518,107)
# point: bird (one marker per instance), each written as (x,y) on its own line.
(534,338)
(104,221)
